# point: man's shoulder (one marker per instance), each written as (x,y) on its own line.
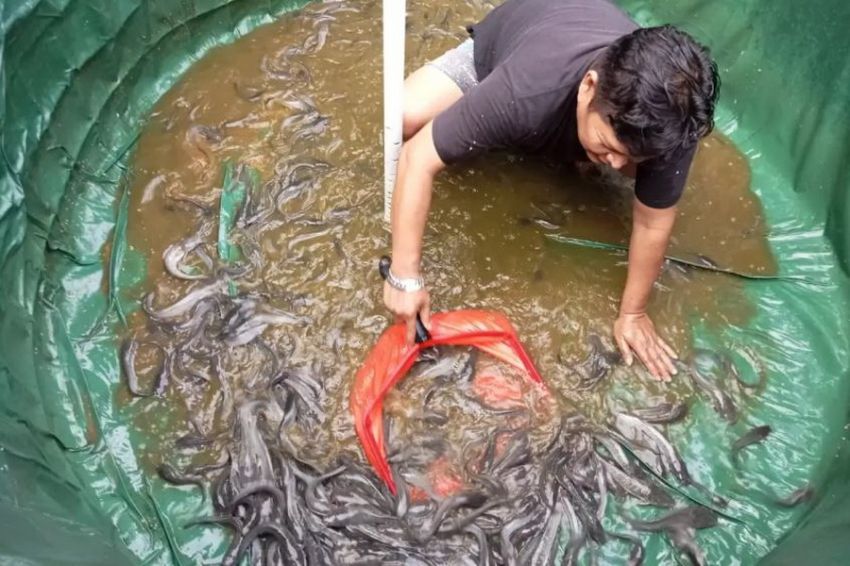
(517,21)
(530,96)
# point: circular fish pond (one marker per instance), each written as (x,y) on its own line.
(243,266)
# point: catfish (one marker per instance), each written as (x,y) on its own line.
(752,436)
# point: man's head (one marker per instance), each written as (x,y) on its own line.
(649,94)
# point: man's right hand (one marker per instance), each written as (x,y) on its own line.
(405,305)
(417,166)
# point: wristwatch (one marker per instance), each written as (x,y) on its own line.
(406,284)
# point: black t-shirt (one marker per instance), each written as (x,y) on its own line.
(530,56)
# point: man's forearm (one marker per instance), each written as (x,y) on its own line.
(411,201)
(650,236)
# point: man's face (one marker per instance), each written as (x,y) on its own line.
(595,132)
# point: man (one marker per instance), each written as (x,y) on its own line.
(574,80)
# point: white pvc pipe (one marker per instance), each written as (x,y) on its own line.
(393,24)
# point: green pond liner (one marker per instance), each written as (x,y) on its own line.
(237,183)
(77,82)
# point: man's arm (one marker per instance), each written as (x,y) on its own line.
(417,166)
(633,330)
(484,118)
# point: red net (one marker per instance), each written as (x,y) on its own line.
(392,358)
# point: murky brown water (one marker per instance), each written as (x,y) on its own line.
(320,249)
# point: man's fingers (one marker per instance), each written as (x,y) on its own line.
(425,313)
(625,351)
(648,363)
(661,354)
(663,370)
(647,356)
(636,336)
(405,306)
(661,362)
(667,360)
(411,329)
(666,347)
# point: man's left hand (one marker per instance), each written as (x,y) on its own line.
(635,334)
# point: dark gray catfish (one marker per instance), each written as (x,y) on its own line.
(662,413)
(171,475)
(800,495)
(543,552)
(252,470)
(691,517)
(513,524)
(707,371)
(679,525)
(599,362)
(175,256)
(252,319)
(637,552)
(753,436)
(185,304)
(128,366)
(643,489)
(256,498)
(651,447)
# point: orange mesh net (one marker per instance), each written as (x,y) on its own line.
(392,358)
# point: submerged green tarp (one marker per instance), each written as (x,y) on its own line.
(76,83)
(77,78)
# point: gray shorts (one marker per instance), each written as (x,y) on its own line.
(458,64)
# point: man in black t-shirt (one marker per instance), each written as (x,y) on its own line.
(575,80)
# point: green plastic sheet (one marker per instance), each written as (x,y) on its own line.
(238,181)
(77,79)
(785,68)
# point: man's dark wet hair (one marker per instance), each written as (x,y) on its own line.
(658,88)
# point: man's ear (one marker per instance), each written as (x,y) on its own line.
(587,87)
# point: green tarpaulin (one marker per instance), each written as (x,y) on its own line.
(78,78)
